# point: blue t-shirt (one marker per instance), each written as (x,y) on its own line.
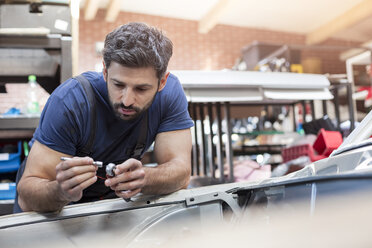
(65,121)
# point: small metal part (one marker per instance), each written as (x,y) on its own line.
(99,164)
(110,172)
(110,169)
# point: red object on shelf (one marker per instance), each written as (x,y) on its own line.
(327,141)
(323,146)
(294,152)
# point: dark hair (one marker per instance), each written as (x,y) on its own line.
(138,45)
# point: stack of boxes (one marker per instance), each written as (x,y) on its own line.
(325,143)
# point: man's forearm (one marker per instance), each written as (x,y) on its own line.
(167,178)
(41,195)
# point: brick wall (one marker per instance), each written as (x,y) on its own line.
(218,49)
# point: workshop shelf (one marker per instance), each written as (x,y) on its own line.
(10,161)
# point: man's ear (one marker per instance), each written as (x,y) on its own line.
(104,71)
(163,81)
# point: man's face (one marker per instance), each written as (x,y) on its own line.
(131,90)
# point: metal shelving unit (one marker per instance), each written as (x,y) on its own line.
(212,94)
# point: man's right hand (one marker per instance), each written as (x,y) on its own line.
(48,184)
(73,176)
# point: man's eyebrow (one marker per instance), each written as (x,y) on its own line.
(118,81)
(124,83)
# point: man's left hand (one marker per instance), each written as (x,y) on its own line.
(129,178)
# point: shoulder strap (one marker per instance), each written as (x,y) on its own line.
(87,149)
(141,142)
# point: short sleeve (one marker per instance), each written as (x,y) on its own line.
(175,114)
(62,120)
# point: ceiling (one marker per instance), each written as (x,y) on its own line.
(317,19)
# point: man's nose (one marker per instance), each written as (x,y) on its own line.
(128,97)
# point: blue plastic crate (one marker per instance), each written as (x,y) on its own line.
(7,191)
(10,162)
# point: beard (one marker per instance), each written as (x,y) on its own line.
(118,106)
(138,111)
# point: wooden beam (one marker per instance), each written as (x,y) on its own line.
(212,17)
(346,20)
(113,10)
(90,9)
(355,51)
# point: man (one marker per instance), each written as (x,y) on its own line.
(133,87)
